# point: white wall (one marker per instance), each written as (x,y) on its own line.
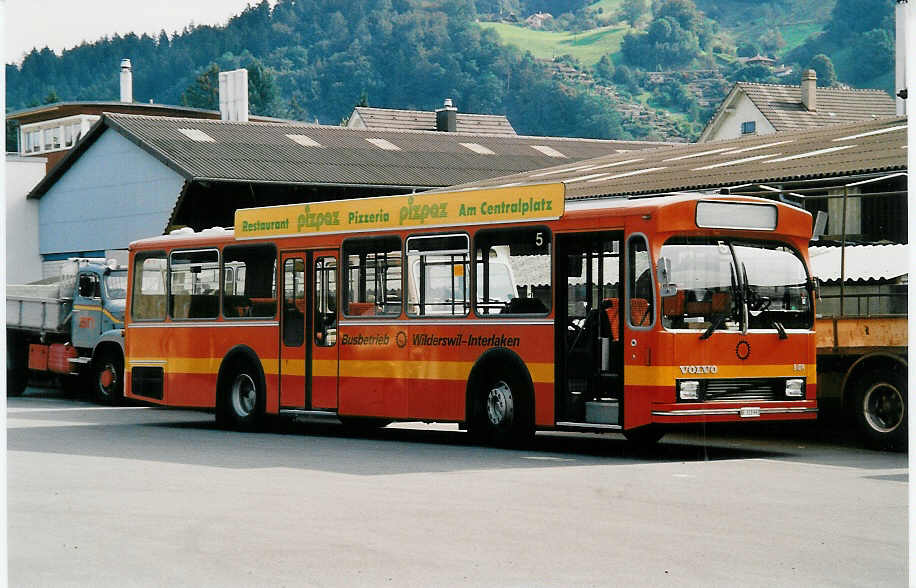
(729,126)
(23,262)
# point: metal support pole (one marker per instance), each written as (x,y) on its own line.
(843,256)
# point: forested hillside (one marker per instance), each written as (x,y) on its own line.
(316,59)
(589,69)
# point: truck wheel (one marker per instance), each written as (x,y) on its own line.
(109,378)
(501,412)
(881,412)
(241,400)
(17,365)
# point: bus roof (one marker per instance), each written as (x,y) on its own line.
(502,204)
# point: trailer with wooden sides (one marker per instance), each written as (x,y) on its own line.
(862,360)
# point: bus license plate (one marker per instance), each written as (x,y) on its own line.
(750,412)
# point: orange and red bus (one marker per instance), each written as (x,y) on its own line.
(505,310)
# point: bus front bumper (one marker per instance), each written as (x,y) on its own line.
(733,413)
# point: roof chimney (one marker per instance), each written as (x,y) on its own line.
(809,90)
(127,82)
(447,117)
(233,95)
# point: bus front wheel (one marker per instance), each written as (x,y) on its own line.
(241,399)
(880,410)
(502,415)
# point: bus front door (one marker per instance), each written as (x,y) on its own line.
(308,346)
(589,348)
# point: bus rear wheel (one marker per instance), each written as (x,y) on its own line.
(501,412)
(881,412)
(241,399)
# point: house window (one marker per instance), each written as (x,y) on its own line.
(749,127)
(54,135)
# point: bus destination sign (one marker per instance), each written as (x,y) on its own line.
(491,205)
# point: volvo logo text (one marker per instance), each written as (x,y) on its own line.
(699,369)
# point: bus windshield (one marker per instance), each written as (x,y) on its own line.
(714,279)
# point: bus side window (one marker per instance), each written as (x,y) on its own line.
(437,270)
(194,284)
(513,271)
(641,295)
(373,276)
(249,281)
(148,300)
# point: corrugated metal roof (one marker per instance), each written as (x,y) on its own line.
(275,153)
(390,119)
(872,146)
(863,262)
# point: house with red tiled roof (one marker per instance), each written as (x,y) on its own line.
(761,109)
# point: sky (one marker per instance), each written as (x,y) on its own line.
(63,24)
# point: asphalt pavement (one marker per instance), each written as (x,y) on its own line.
(139,496)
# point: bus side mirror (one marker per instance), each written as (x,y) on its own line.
(663,273)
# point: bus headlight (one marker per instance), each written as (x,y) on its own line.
(688,390)
(795,388)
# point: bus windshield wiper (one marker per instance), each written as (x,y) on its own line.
(715,325)
(763,311)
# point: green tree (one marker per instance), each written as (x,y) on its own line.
(204,91)
(771,40)
(262,89)
(823,67)
(632,11)
(746,49)
(857,16)
(875,55)
(604,70)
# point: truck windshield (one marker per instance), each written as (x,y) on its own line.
(715,278)
(116,284)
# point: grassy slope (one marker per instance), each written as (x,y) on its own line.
(587,47)
(795,25)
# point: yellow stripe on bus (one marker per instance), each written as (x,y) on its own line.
(414,370)
(638,375)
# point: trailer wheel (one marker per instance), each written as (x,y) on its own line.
(501,413)
(17,365)
(108,370)
(241,400)
(881,411)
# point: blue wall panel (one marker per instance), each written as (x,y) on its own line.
(114,193)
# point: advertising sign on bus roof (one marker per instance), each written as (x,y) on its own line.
(494,205)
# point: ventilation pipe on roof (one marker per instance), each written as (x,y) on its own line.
(900,91)
(233,95)
(809,90)
(127,82)
(447,117)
